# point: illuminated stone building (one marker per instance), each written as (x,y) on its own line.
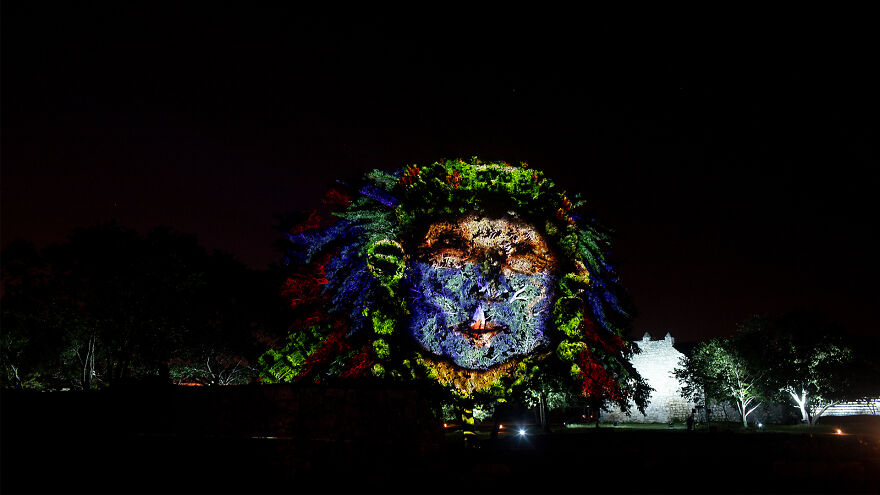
(655,363)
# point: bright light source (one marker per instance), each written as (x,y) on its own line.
(500,427)
(760,425)
(839,431)
(444,425)
(522,433)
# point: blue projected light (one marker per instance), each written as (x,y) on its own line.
(476,321)
(481,290)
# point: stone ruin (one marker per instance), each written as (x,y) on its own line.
(655,363)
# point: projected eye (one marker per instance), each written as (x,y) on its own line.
(523,258)
(529,257)
(521,264)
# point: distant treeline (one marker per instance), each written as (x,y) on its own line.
(112,306)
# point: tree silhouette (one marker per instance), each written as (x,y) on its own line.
(806,358)
(718,369)
(110,305)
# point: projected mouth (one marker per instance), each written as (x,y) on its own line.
(480,332)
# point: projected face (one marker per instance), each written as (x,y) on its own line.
(481,290)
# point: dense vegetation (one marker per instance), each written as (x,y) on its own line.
(800,358)
(110,306)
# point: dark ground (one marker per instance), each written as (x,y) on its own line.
(41,455)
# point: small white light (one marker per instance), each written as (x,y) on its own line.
(839,431)
(522,432)
(760,425)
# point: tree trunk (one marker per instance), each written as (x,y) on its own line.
(596,410)
(542,412)
(708,411)
(801,401)
(815,417)
(15,374)
(747,412)
(467,424)
(88,364)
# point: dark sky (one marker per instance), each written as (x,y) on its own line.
(735,160)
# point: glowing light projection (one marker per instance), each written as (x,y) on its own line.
(482,291)
(483,278)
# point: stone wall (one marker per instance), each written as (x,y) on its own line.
(871,407)
(655,363)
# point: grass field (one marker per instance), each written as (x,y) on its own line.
(859,425)
(93,453)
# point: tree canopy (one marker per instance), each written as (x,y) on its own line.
(803,358)
(806,359)
(719,370)
(111,305)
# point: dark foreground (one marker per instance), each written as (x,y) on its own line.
(42,455)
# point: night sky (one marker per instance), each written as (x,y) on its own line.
(735,161)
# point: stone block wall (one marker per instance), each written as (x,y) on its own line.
(655,363)
(871,407)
